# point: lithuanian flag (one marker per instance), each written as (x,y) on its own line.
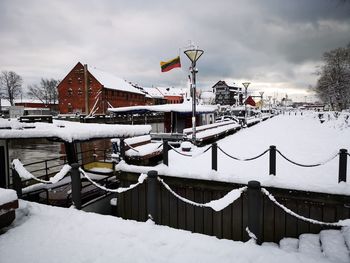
(169,65)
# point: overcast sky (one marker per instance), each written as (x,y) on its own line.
(276,45)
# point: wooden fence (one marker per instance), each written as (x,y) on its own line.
(231,222)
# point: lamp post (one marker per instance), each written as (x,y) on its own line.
(261,95)
(193,54)
(245,84)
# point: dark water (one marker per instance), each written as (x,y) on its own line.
(33,150)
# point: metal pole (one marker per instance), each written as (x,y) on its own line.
(152,193)
(245,105)
(343,156)
(194,102)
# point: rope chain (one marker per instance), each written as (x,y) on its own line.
(307,165)
(243,159)
(190,155)
(290,212)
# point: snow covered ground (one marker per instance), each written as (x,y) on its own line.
(302,138)
(43,233)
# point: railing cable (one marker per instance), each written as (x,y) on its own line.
(242,159)
(216,205)
(340,223)
(140,180)
(190,155)
(25,174)
(308,165)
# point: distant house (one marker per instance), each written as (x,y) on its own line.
(172,95)
(38,104)
(225,94)
(92,91)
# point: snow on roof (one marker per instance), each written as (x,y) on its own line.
(181,108)
(68,131)
(110,81)
(171,91)
(28,100)
(154,92)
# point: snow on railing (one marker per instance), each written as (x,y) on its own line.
(216,205)
(340,223)
(25,174)
(140,180)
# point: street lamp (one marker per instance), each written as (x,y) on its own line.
(193,54)
(245,84)
(261,95)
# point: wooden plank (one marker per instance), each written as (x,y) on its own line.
(237,219)
(280,222)
(268,220)
(227,222)
(134,204)
(315,213)
(198,212)
(291,221)
(217,217)
(245,236)
(173,205)
(207,214)
(181,210)
(165,209)
(128,204)
(142,203)
(190,210)
(329,214)
(303,210)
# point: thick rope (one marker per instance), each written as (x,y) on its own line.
(25,174)
(190,155)
(308,165)
(287,210)
(119,190)
(216,205)
(132,148)
(243,159)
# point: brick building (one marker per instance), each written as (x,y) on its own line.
(91,91)
(225,94)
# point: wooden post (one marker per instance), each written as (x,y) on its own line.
(255,209)
(122,149)
(152,194)
(165,152)
(17,182)
(272,160)
(343,157)
(214,156)
(70,152)
(76,185)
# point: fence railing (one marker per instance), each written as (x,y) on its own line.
(273,151)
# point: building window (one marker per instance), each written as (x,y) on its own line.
(80,92)
(90,91)
(70,92)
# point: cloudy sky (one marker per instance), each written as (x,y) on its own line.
(274,44)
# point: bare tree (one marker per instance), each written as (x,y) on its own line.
(333,86)
(46,91)
(10,85)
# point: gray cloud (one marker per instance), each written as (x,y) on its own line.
(274,43)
